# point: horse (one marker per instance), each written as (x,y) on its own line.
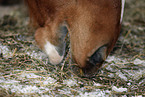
(93,25)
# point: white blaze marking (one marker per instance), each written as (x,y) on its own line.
(52,53)
(122,10)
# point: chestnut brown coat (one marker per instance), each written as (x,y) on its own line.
(93,26)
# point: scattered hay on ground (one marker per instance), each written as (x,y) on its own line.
(25,71)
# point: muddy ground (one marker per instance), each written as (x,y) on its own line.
(25,71)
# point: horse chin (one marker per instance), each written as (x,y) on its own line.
(89,71)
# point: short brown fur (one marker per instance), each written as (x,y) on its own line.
(91,24)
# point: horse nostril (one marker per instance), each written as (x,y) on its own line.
(98,56)
(62,30)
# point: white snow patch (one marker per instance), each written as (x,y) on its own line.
(128,84)
(114,88)
(65,91)
(6,52)
(36,55)
(135,74)
(138,61)
(4,81)
(114,59)
(25,89)
(18,70)
(121,75)
(110,59)
(29,75)
(70,82)
(97,84)
(138,74)
(111,75)
(49,80)
(45,81)
(124,96)
(139,96)
(15,87)
(97,93)
(109,67)
(45,96)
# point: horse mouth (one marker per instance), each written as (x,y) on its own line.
(94,62)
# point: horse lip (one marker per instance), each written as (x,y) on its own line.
(91,69)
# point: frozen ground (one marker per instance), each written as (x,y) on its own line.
(25,71)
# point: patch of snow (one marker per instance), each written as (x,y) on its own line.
(45,96)
(70,82)
(36,81)
(4,81)
(115,60)
(15,87)
(44,88)
(135,74)
(49,80)
(139,96)
(138,74)
(25,89)
(36,55)
(65,91)
(5,51)
(111,58)
(111,75)
(97,93)
(142,81)
(114,88)
(138,61)
(109,67)
(11,81)
(121,75)
(128,84)
(45,81)
(29,75)
(18,70)
(124,96)
(97,84)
